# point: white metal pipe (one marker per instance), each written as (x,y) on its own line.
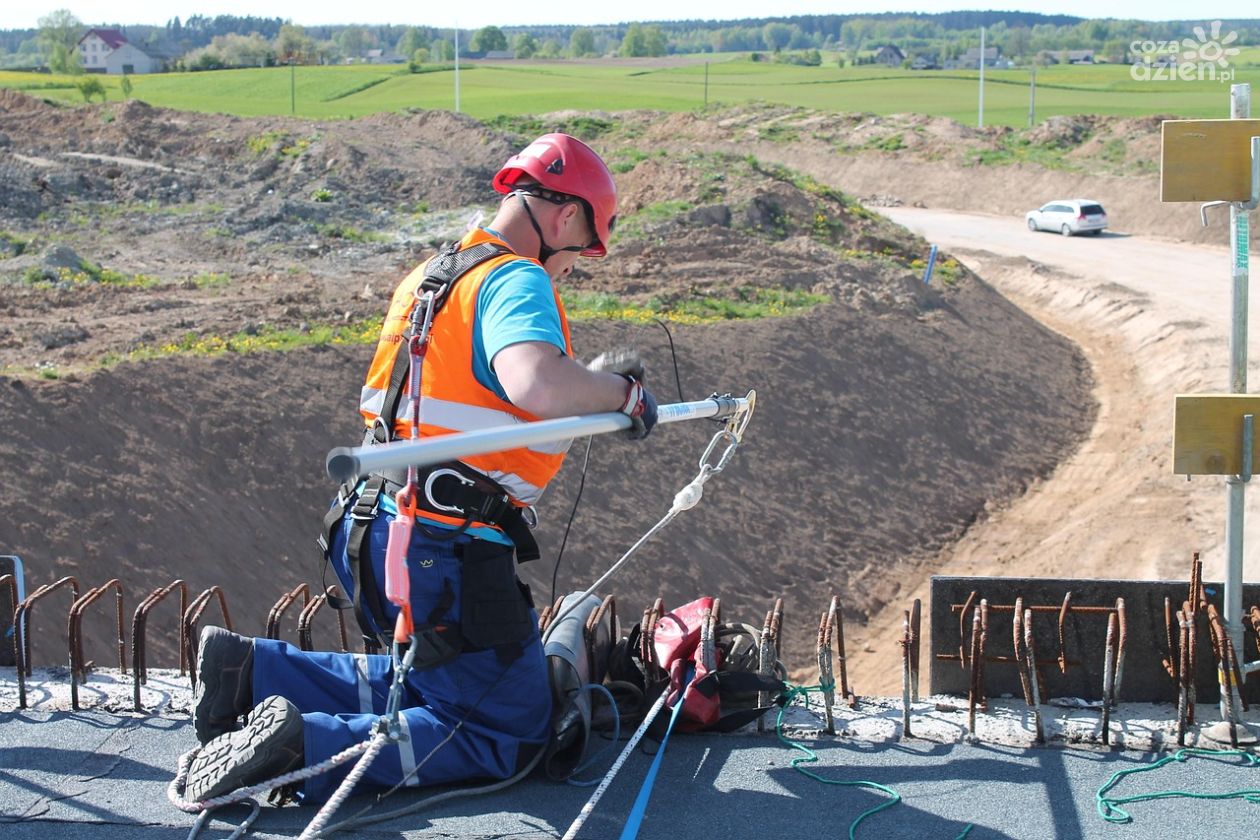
(1239,237)
(345,462)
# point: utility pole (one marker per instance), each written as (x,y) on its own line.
(1032,96)
(292,86)
(1240,242)
(457,69)
(980,122)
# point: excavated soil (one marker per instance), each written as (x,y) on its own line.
(889,418)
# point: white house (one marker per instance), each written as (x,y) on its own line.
(96,45)
(129,59)
(109,51)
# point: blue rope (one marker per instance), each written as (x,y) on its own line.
(635,819)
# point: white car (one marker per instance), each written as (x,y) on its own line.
(1069,216)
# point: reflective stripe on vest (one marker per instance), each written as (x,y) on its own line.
(452,398)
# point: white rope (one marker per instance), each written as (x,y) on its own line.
(589,807)
(344,789)
(175,790)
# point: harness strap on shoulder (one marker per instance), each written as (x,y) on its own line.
(440,275)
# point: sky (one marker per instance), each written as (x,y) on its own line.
(17,15)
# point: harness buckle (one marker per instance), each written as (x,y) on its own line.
(428,490)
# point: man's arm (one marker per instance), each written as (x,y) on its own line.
(539,378)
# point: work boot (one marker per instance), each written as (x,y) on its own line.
(225,669)
(270,744)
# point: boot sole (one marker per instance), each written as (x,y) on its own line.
(249,755)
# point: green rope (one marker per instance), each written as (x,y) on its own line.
(1109,806)
(810,757)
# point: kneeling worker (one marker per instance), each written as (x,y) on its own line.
(499,352)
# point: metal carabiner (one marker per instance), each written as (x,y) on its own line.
(428,489)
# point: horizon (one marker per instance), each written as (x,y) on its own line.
(570,13)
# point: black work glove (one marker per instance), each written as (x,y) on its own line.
(640,407)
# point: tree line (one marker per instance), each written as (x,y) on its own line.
(204,42)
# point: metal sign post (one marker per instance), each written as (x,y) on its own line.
(1218,162)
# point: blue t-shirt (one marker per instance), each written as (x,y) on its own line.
(515,303)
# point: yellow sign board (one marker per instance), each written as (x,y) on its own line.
(1208,433)
(1206,160)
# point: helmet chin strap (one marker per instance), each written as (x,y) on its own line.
(545,251)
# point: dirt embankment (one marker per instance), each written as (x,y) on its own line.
(889,417)
(910,159)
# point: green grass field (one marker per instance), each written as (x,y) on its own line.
(511,88)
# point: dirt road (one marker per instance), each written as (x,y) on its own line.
(1152,316)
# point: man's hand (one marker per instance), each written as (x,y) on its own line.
(640,407)
(623,361)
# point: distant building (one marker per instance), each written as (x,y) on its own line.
(889,54)
(109,51)
(924,62)
(499,55)
(382,57)
(95,47)
(1079,56)
(970,60)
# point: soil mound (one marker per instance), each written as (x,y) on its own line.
(889,415)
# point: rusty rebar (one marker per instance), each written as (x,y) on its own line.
(1254,615)
(1123,630)
(22,626)
(1191,669)
(1183,674)
(78,667)
(1198,598)
(590,636)
(708,636)
(973,696)
(1109,664)
(139,631)
(847,695)
(1017,640)
(1034,677)
(768,653)
(282,606)
(1173,661)
(916,620)
(1063,614)
(192,615)
(905,676)
(983,698)
(825,678)
(307,617)
(962,630)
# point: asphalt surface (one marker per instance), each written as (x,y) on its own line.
(1193,278)
(89,774)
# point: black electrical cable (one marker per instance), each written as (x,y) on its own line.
(586,461)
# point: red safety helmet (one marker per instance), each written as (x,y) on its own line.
(565,164)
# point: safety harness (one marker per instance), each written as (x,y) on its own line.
(447,489)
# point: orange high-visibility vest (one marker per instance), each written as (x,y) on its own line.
(452,400)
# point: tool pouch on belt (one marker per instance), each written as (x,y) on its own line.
(494,606)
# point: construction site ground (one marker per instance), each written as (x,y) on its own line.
(112,782)
(1016,420)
